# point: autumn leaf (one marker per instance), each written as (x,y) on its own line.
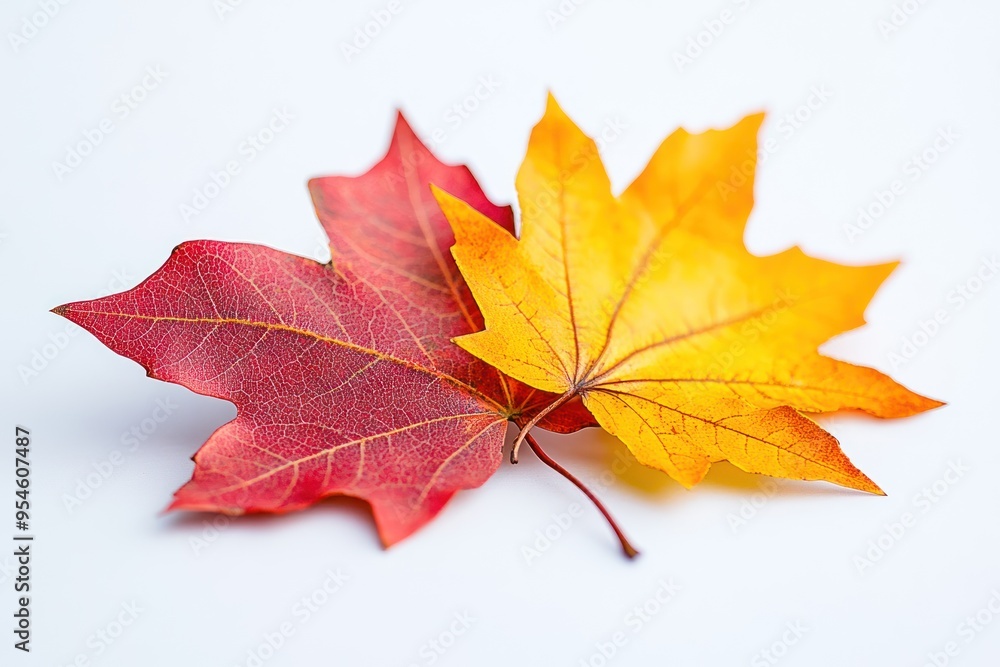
(343,374)
(683,344)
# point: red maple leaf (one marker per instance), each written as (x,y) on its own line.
(344,374)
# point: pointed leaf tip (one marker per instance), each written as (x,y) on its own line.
(402,124)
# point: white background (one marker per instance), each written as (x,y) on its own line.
(114,218)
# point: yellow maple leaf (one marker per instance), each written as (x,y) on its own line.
(684,345)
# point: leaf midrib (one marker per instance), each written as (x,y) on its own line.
(271,326)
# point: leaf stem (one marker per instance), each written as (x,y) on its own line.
(627,547)
(537,418)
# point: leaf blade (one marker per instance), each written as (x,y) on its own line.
(692,349)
